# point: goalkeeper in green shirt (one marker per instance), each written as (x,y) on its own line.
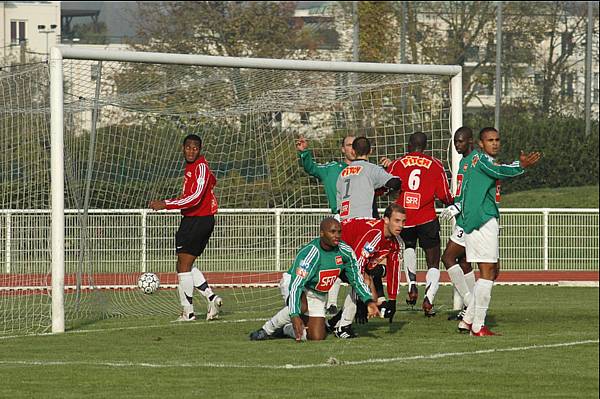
(315,269)
(327,173)
(479,218)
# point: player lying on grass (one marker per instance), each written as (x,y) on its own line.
(479,208)
(315,269)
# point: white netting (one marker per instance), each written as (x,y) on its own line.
(123,126)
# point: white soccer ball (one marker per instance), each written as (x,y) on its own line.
(148,283)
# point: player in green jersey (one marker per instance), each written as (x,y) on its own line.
(460,271)
(327,173)
(479,210)
(315,269)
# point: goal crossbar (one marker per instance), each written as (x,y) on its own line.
(58,53)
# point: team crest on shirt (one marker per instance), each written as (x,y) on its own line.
(189,174)
(475,160)
(300,272)
(338,260)
(465,167)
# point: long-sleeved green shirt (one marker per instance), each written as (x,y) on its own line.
(480,186)
(327,173)
(317,269)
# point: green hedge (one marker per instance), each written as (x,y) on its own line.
(570,158)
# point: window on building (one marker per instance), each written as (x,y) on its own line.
(566,84)
(304,118)
(17,32)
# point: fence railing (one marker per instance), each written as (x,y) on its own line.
(133,240)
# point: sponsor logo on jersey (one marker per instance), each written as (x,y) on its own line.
(339,260)
(475,160)
(413,160)
(367,250)
(465,167)
(300,272)
(304,264)
(412,200)
(351,170)
(345,209)
(459,181)
(326,279)
(497,191)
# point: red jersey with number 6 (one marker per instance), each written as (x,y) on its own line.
(423,179)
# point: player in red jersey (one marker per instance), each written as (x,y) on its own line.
(373,240)
(198,206)
(424,180)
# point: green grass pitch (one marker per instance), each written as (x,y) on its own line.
(549,348)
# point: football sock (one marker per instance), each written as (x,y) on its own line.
(280,319)
(201,283)
(284,286)
(483,295)
(185,289)
(410,266)
(433,283)
(470,279)
(333,293)
(460,285)
(457,300)
(470,312)
(349,311)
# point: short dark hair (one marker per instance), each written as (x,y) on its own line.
(485,130)
(344,139)
(361,146)
(393,208)
(418,141)
(464,131)
(193,137)
(325,223)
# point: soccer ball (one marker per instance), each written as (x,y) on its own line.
(148,283)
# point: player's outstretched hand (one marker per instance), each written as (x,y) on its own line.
(390,309)
(157,205)
(301,143)
(385,162)
(528,160)
(373,310)
(450,211)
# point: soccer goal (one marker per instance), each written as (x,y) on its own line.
(90,138)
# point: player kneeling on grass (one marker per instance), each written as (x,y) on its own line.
(315,269)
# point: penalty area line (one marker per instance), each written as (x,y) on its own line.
(332,362)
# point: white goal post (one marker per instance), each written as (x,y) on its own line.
(60,53)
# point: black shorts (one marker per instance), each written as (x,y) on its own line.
(193,234)
(428,235)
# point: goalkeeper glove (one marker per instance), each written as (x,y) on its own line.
(361,316)
(390,309)
(450,211)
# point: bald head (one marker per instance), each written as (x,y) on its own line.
(417,142)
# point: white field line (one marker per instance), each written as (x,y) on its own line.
(331,362)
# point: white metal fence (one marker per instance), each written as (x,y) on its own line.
(133,240)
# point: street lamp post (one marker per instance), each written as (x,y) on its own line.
(51,29)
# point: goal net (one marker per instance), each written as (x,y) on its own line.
(123,121)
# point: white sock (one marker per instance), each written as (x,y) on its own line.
(410,266)
(288,330)
(333,293)
(470,279)
(433,283)
(186,290)
(201,283)
(280,319)
(460,284)
(470,312)
(482,301)
(348,312)
(457,300)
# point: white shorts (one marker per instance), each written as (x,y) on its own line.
(482,245)
(458,235)
(316,303)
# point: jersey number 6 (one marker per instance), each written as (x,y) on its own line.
(414,181)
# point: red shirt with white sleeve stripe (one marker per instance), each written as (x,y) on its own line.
(423,179)
(367,239)
(198,198)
